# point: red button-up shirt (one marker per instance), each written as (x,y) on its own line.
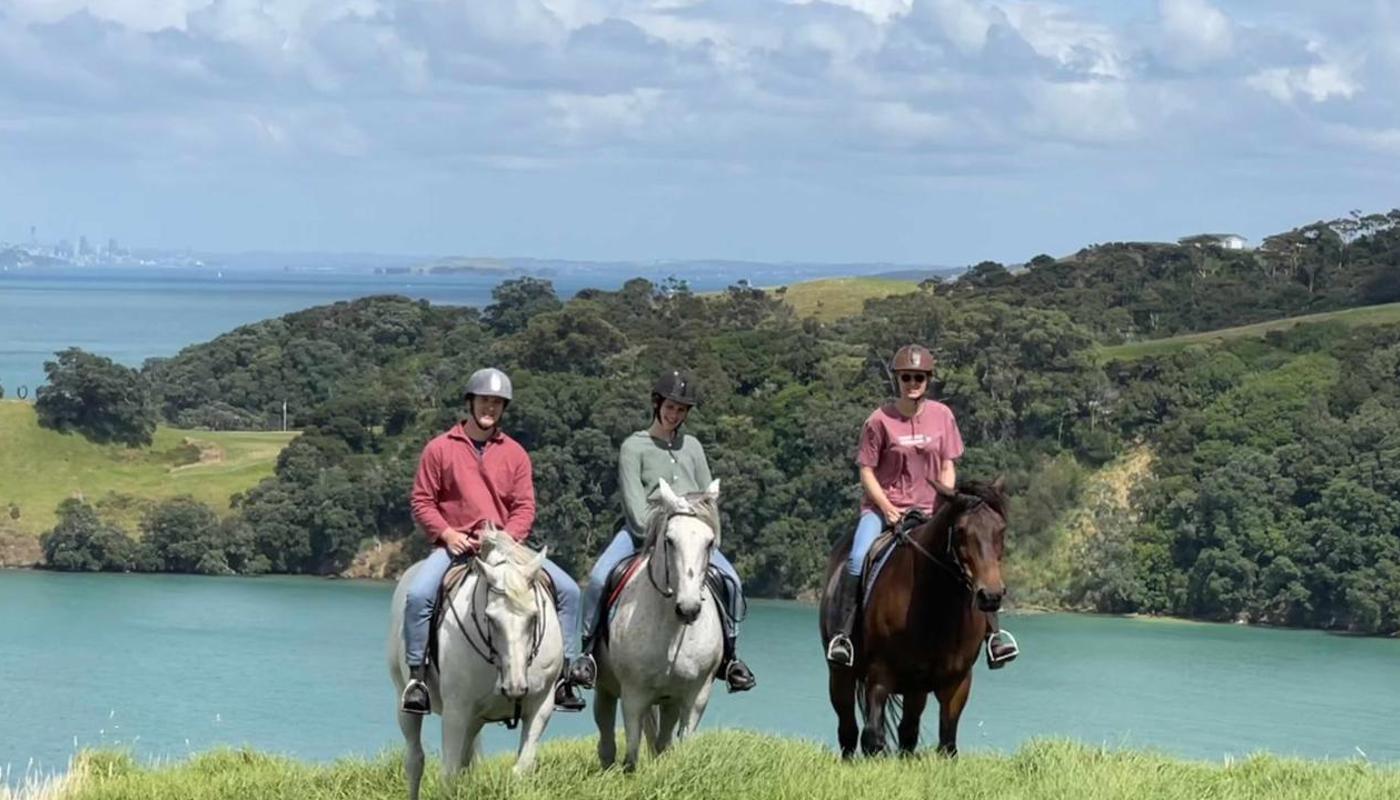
(457,487)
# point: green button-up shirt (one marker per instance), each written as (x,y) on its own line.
(645,460)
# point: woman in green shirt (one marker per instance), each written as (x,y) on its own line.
(647,457)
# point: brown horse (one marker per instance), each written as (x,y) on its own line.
(929,612)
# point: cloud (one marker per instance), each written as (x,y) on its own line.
(1194,33)
(429,89)
(1317,82)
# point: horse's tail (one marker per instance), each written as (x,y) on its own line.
(894,711)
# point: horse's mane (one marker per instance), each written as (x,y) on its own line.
(987,493)
(498,547)
(705,507)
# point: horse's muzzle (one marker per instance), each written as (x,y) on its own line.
(990,600)
(688,615)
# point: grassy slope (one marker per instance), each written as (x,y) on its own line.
(1367,315)
(833,298)
(41,467)
(725,765)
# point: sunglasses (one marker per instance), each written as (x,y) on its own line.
(912,377)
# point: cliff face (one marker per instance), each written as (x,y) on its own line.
(18,549)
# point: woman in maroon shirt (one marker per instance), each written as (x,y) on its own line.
(903,445)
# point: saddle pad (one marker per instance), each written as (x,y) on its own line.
(884,546)
(875,561)
(621,575)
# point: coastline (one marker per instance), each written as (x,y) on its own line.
(801,601)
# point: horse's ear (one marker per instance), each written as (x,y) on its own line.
(999,485)
(713,489)
(668,495)
(537,563)
(945,492)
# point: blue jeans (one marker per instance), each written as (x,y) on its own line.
(621,547)
(867,531)
(423,592)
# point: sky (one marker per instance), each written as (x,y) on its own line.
(927,132)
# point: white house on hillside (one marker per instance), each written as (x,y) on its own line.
(1227,241)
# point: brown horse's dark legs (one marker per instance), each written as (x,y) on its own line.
(841,685)
(914,703)
(872,739)
(951,700)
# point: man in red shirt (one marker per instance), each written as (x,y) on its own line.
(475,475)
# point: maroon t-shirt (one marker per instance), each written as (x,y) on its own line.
(906,451)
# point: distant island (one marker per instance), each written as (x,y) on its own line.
(463,265)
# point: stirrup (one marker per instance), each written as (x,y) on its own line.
(414,708)
(1009,649)
(582,671)
(847,658)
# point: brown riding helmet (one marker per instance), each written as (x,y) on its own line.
(912,358)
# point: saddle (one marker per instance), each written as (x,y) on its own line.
(452,582)
(884,547)
(627,570)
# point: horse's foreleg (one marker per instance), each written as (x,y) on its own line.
(872,739)
(605,717)
(695,709)
(635,708)
(412,727)
(841,687)
(914,703)
(670,715)
(471,743)
(535,718)
(455,740)
(951,700)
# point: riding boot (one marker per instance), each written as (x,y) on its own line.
(733,669)
(840,649)
(566,699)
(415,698)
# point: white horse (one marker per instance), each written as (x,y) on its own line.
(500,649)
(665,640)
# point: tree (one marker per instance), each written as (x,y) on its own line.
(83,542)
(183,535)
(102,400)
(517,301)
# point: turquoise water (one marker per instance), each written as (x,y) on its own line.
(168,665)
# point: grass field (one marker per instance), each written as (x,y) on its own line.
(39,468)
(833,298)
(728,765)
(1353,317)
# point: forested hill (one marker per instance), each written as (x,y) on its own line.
(1271,494)
(1130,291)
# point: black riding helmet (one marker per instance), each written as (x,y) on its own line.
(673,385)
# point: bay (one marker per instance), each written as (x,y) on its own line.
(168,665)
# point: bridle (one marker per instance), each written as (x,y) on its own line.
(951,561)
(662,545)
(486,648)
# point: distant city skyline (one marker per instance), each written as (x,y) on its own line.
(901,131)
